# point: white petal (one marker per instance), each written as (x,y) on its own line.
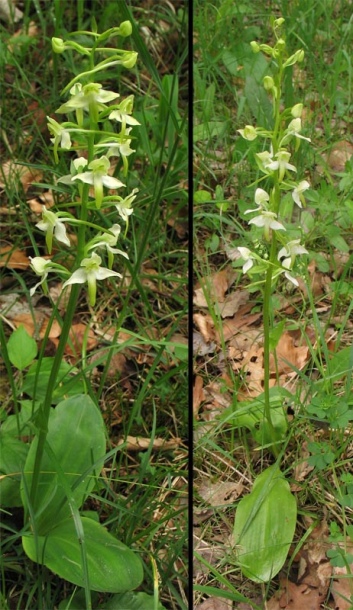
(111,183)
(249,263)
(282,252)
(65,140)
(78,277)
(60,234)
(86,177)
(259,221)
(103,273)
(291,279)
(276,226)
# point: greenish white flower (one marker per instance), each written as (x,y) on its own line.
(90,97)
(298,56)
(108,241)
(124,208)
(52,225)
(123,113)
(98,177)
(90,271)
(290,251)
(261,199)
(61,136)
(268,221)
(76,167)
(248,257)
(294,129)
(119,149)
(281,164)
(264,159)
(248,133)
(43,266)
(297,193)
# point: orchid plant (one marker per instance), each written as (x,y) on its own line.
(59,467)
(277,253)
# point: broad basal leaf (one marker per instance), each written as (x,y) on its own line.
(12,459)
(264,526)
(112,566)
(76,436)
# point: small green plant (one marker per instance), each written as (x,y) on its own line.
(51,458)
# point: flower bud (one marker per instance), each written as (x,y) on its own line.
(297,110)
(278,22)
(248,133)
(298,56)
(255,47)
(58,45)
(265,48)
(268,83)
(129,60)
(125,29)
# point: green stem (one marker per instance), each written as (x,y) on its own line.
(45,409)
(267,314)
(44,412)
(267,323)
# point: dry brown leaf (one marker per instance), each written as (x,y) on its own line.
(138,443)
(221,493)
(211,553)
(13,259)
(339,154)
(233,302)
(298,597)
(197,395)
(205,325)
(77,337)
(36,204)
(37,327)
(215,603)
(289,354)
(214,286)
(302,469)
(13,172)
(9,12)
(342,588)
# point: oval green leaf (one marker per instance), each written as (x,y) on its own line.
(264,526)
(76,436)
(112,566)
(22,348)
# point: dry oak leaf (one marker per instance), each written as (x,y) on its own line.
(212,553)
(215,603)
(37,327)
(289,355)
(342,588)
(214,286)
(138,443)
(78,337)
(205,326)
(233,302)
(339,154)
(220,494)
(298,597)
(12,173)
(197,395)
(13,259)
